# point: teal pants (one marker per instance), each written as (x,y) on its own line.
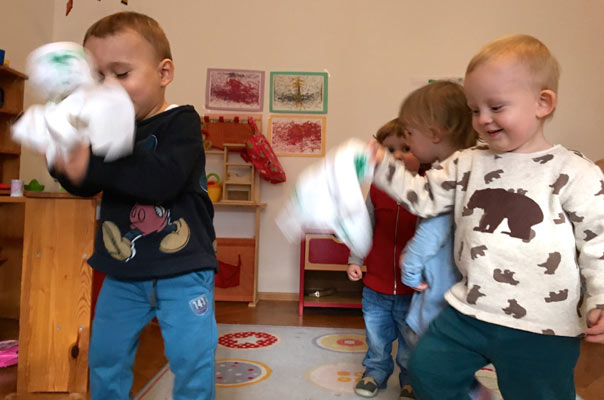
(184,307)
(528,365)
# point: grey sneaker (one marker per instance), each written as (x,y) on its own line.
(407,393)
(366,387)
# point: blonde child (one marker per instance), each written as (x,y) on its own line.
(519,304)
(155,233)
(385,299)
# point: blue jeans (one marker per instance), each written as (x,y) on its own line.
(384,316)
(184,307)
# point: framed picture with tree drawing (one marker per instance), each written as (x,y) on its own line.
(298,92)
(297,135)
(234,90)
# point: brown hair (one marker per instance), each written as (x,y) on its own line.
(528,50)
(142,24)
(441,107)
(392,127)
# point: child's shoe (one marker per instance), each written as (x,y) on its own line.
(407,393)
(366,387)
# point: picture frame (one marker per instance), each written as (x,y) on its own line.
(235,90)
(297,135)
(298,92)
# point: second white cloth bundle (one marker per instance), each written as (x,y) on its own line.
(328,196)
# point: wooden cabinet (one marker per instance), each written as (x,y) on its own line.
(323,278)
(56,288)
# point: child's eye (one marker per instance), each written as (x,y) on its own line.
(475,112)
(391,149)
(122,75)
(496,108)
(406,149)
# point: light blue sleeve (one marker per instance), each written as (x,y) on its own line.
(431,234)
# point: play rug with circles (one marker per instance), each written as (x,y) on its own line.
(286,362)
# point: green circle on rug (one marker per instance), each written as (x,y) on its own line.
(342,342)
(235,372)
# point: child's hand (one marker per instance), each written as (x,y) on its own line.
(354,272)
(376,151)
(421,287)
(74,167)
(595,321)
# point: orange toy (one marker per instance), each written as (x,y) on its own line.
(214,187)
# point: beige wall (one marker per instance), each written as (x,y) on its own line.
(374,51)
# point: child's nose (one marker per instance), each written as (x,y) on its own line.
(111,80)
(484,118)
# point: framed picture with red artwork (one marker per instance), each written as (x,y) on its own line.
(234,90)
(297,135)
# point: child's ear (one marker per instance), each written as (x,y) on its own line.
(436,137)
(546,104)
(166,71)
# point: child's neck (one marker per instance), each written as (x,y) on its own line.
(445,150)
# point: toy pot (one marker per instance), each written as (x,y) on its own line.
(214,187)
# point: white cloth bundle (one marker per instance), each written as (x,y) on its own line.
(77,109)
(328,196)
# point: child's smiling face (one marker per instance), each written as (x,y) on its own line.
(507,108)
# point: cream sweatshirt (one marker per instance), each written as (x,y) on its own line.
(529,236)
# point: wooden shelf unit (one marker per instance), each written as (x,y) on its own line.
(250,186)
(12,85)
(323,265)
(12,209)
(238,177)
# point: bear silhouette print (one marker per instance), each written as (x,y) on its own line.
(514,309)
(521,212)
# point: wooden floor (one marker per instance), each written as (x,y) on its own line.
(589,375)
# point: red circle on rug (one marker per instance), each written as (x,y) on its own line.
(247,340)
(350,342)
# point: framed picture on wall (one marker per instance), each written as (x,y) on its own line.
(298,92)
(299,135)
(234,90)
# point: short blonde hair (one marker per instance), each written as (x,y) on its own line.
(392,127)
(442,108)
(142,24)
(531,52)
